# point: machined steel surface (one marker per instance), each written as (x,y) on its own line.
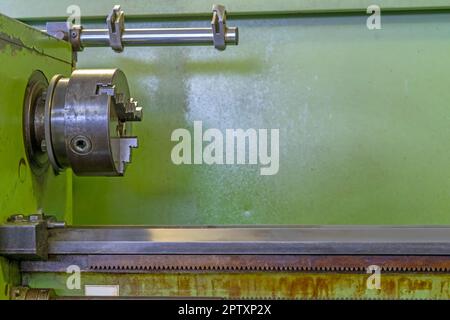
(240,262)
(305,240)
(158,37)
(33,122)
(320,240)
(89,122)
(24,239)
(82,122)
(115,22)
(117,36)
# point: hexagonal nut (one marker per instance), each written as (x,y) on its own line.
(36,217)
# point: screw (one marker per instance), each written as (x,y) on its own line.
(44,146)
(81,144)
(16,218)
(35,217)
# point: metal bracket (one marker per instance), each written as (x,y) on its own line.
(117,36)
(67,32)
(27,236)
(116,24)
(75,37)
(219,27)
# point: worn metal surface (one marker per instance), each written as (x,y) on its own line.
(130,264)
(351,240)
(279,285)
(158,37)
(247,276)
(33,122)
(24,239)
(88,122)
(23,50)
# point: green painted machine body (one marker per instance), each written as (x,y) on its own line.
(24,50)
(363,115)
(257,285)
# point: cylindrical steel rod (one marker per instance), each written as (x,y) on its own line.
(157,37)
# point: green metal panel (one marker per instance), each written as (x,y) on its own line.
(23,50)
(363,118)
(276,285)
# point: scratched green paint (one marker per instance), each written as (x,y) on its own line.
(275,285)
(20,191)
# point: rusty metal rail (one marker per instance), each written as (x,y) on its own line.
(238,263)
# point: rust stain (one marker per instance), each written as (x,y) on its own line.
(445,288)
(389,287)
(273,285)
(422,285)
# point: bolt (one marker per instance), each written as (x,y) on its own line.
(81,144)
(16,218)
(107,89)
(17,293)
(134,111)
(138,113)
(120,97)
(43,146)
(36,217)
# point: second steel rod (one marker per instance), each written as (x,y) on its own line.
(157,36)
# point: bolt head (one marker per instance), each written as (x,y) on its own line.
(16,218)
(35,217)
(44,146)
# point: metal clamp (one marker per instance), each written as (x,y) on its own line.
(116,24)
(219,27)
(117,36)
(67,32)
(75,37)
(38,217)
(27,236)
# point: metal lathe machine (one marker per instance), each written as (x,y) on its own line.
(98,200)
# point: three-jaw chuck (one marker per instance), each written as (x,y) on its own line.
(82,122)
